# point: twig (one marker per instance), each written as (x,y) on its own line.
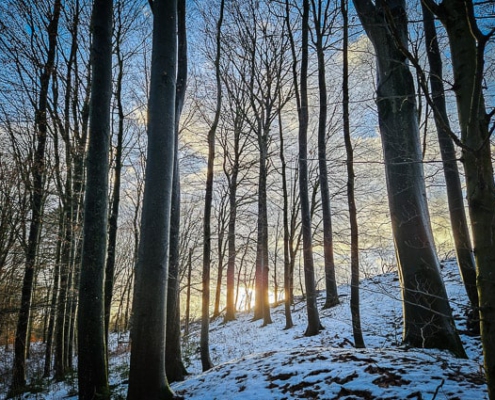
(437,389)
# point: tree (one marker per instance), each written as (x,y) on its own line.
(232,166)
(322,26)
(205,314)
(117,179)
(467,46)
(70,132)
(38,182)
(222,222)
(314,324)
(436,99)
(147,377)
(92,353)
(175,368)
(428,318)
(70,124)
(458,220)
(288,265)
(351,200)
(267,77)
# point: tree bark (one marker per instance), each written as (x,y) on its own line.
(187,315)
(114,211)
(262,307)
(458,220)
(221,244)
(205,314)
(351,201)
(314,324)
(287,257)
(53,307)
(467,46)
(147,378)
(92,352)
(176,371)
(231,306)
(320,25)
(428,318)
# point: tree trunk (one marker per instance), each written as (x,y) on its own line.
(428,318)
(188,293)
(38,182)
(351,201)
(262,305)
(460,229)
(114,211)
(92,352)
(287,264)
(231,305)
(314,324)
(176,371)
(60,364)
(53,308)
(467,46)
(205,314)
(221,256)
(320,18)
(147,378)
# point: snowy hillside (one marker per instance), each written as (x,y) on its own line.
(254,362)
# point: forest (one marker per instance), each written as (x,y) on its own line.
(168,166)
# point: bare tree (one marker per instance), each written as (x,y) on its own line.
(314,324)
(205,315)
(322,20)
(176,370)
(92,354)
(428,318)
(38,184)
(467,45)
(147,378)
(458,220)
(234,150)
(351,200)
(117,179)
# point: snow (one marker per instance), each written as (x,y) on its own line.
(255,362)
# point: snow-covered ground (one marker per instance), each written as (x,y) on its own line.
(254,362)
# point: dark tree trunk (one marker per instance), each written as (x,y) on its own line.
(53,309)
(147,378)
(114,211)
(231,306)
(176,371)
(60,365)
(428,318)
(221,256)
(314,324)
(351,201)
(262,307)
(205,314)
(467,46)
(460,229)
(188,293)
(320,25)
(92,353)
(37,196)
(287,265)
(70,320)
